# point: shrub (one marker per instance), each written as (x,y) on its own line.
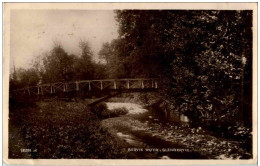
(103,112)
(100,109)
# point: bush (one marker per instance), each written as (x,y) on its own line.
(100,109)
(103,112)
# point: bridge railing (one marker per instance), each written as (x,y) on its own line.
(90,85)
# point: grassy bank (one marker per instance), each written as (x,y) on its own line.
(59,129)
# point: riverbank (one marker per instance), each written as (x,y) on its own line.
(58,129)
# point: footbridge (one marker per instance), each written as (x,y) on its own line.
(91,86)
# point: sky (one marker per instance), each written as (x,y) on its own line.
(34,32)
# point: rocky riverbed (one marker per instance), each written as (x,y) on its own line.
(154,137)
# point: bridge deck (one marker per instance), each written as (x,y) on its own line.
(91,86)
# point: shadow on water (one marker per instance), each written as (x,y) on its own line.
(158,116)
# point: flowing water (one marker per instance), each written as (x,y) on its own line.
(140,128)
(155,133)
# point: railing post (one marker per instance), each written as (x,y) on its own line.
(89,87)
(128,86)
(156,86)
(64,87)
(77,86)
(38,90)
(101,85)
(114,84)
(142,84)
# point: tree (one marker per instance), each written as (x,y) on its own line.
(57,65)
(111,53)
(24,78)
(106,53)
(84,65)
(140,45)
(199,57)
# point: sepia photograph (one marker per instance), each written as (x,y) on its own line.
(130,83)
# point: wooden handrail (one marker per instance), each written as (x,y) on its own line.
(77,83)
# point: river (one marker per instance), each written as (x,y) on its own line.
(149,134)
(139,129)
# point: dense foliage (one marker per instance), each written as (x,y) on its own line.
(204,59)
